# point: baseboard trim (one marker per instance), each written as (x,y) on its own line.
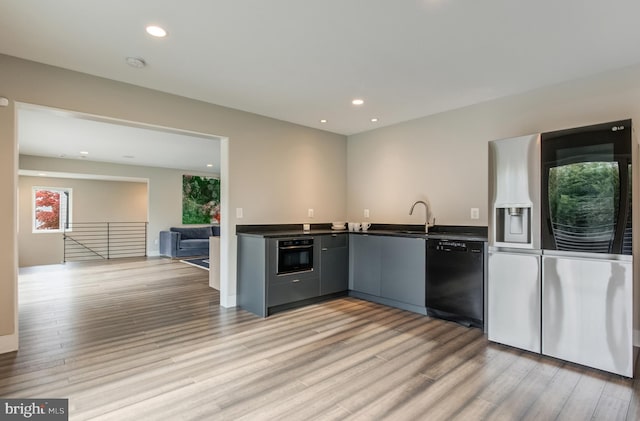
(8,343)
(229,301)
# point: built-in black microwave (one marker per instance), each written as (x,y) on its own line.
(295,255)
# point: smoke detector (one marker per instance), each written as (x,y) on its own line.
(136,62)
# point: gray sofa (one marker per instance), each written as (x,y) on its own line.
(187,241)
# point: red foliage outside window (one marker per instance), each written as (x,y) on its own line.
(47,210)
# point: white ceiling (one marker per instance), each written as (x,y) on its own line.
(302,61)
(59,134)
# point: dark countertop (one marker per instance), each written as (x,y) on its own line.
(440,232)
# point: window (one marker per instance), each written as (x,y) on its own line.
(51,209)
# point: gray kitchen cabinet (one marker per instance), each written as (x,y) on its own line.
(365,269)
(388,270)
(287,289)
(260,288)
(290,287)
(403,270)
(252,274)
(334,263)
(262,291)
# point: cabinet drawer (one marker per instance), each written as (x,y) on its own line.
(334,240)
(290,277)
(295,289)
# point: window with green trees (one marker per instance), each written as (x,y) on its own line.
(583,202)
(200,200)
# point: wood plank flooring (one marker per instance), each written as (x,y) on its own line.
(145,339)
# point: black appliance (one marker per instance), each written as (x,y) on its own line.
(586,189)
(295,255)
(455,281)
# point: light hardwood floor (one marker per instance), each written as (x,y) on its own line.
(145,339)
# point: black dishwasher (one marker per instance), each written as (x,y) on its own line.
(455,281)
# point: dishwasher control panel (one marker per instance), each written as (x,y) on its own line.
(458,246)
(447,245)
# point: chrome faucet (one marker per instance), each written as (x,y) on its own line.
(426,217)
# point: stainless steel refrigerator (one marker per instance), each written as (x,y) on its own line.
(514,262)
(587,263)
(560,275)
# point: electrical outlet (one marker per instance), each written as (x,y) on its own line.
(310,213)
(239,213)
(475,213)
(366,213)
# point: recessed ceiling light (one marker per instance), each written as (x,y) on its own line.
(323,121)
(357,101)
(84,153)
(136,62)
(128,156)
(156,31)
(209,165)
(374,120)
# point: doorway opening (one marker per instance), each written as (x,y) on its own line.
(140,165)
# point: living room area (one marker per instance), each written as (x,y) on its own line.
(108,172)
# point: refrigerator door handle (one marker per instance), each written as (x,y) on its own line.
(500,249)
(589,256)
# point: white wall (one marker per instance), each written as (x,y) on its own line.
(274,170)
(91,201)
(9,225)
(444,157)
